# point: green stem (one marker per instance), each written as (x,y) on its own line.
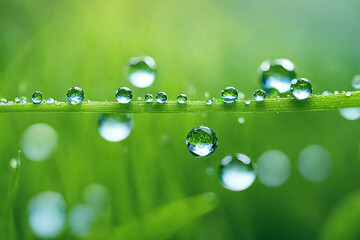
(314,103)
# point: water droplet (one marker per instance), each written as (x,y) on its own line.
(10,102)
(301,88)
(201,141)
(208,102)
(348,94)
(161,97)
(17,100)
(241,120)
(75,95)
(356,82)
(124,95)
(247,102)
(336,92)
(3,101)
(50,101)
(273,168)
(114,127)
(37,97)
(148,98)
(39,141)
(276,75)
(47,214)
(237,172)
(314,163)
(23,100)
(259,95)
(82,217)
(229,95)
(325,93)
(141,71)
(15,163)
(352,113)
(181,98)
(209,170)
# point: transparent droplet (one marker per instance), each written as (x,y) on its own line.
(352,113)
(276,75)
(37,97)
(148,98)
(15,163)
(301,88)
(97,196)
(114,127)
(75,95)
(141,71)
(181,98)
(3,101)
(259,95)
(314,163)
(229,95)
(17,99)
(237,172)
(124,95)
(201,141)
(50,101)
(336,92)
(273,168)
(208,102)
(47,214)
(348,94)
(39,141)
(325,93)
(161,97)
(356,82)
(241,120)
(23,100)
(247,102)
(82,218)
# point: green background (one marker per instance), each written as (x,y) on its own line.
(51,45)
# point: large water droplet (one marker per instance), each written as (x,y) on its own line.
(237,172)
(314,163)
(301,88)
(114,127)
(3,101)
(273,168)
(276,75)
(161,97)
(37,97)
(47,214)
(352,113)
(259,95)
(39,141)
(181,98)
(148,98)
(142,71)
(75,95)
(82,217)
(229,95)
(356,82)
(50,101)
(201,141)
(124,95)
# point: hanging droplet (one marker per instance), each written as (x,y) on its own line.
(356,82)
(17,100)
(259,95)
(148,98)
(208,102)
(124,95)
(3,101)
(301,88)
(161,97)
(201,141)
(247,102)
(276,75)
(141,71)
(237,172)
(37,97)
(114,127)
(50,101)
(75,95)
(181,98)
(229,95)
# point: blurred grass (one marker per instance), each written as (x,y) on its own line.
(53,45)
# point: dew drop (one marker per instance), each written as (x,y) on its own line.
(23,100)
(352,113)
(201,141)
(301,88)
(241,120)
(148,98)
(325,93)
(3,101)
(15,163)
(17,100)
(181,98)
(50,101)
(247,102)
(114,127)
(336,92)
(208,102)
(75,95)
(237,172)
(229,95)
(141,71)
(356,82)
(124,95)
(37,97)
(259,95)
(348,94)
(161,97)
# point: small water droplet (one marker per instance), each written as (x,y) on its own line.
(124,95)
(336,92)
(17,100)
(208,102)
(161,97)
(201,141)
(229,95)
(241,120)
(114,127)
(259,95)
(10,102)
(50,101)
(356,82)
(348,94)
(3,101)
(148,98)
(247,102)
(57,103)
(75,95)
(141,71)
(15,163)
(352,113)
(37,97)
(237,172)
(325,93)
(301,88)
(181,98)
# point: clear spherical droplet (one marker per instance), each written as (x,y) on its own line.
(276,75)
(237,172)
(161,97)
(17,100)
(3,101)
(141,71)
(208,102)
(181,98)
(50,101)
(124,95)
(259,95)
(352,113)
(247,102)
(301,88)
(356,82)
(75,95)
(201,141)
(229,95)
(148,98)
(114,127)
(23,99)
(37,97)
